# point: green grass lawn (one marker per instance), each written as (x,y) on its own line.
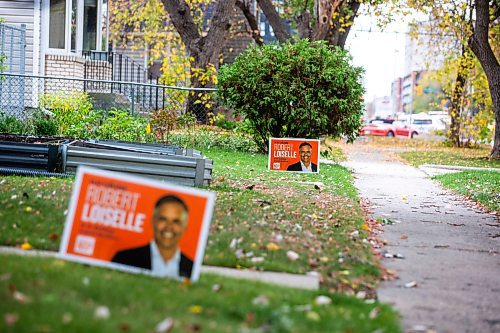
(478,157)
(262,214)
(481,186)
(282,212)
(50,295)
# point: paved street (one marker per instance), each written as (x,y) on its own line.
(451,250)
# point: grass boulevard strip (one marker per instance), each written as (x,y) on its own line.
(295,223)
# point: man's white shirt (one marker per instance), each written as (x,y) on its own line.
(161,268)
(306,169)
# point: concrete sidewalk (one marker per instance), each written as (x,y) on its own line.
(449,278)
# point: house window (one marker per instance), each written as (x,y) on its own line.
(75,25)
(57,24)
(90,25)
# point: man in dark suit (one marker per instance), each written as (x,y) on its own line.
(162,256)
(305,165)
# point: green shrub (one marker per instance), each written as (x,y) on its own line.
(295,89)
(74,113)
(41,124)
(120,125)
(12,125)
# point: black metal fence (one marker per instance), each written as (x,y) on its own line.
(103,65)
(20,93)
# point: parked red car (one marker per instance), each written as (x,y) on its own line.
(397,128)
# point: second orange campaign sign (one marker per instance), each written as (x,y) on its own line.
(294,155)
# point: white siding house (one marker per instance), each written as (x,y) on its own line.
(18,12)
(58,32)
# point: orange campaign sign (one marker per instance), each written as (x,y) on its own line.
(137,224)
(294,155)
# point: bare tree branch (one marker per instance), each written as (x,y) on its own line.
(277,23)
(251,19)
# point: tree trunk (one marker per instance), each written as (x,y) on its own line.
(324,10)
(457,99)
(277,23)
(304,24)
(481,47)
(251,19)
(203,51)
(456,109)
(337,36)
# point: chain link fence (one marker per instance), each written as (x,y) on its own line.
(19,94)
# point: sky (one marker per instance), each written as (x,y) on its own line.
(382,54)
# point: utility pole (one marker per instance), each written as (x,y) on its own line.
(412,86)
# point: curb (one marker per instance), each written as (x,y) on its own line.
(310,282)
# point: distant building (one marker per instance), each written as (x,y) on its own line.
(421,56)
(397,96)
(379,108)
(420,53)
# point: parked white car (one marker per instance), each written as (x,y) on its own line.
(426,123)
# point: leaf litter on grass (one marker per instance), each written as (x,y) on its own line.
(294,229)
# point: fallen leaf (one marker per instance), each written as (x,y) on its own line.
(292,256)
(250,317)
(5,276)
(67,318)
(26,246)
(260,300)
(123,327)
(54,236)
(10,319)
(311,315)
(404,236)
(361,294)
(196,309)
(411,284)
(20,297)
(194,328)
(374,313)
(165,326)
(257,259)
(272,246)
(102,312)
(322,300)
(365,227)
